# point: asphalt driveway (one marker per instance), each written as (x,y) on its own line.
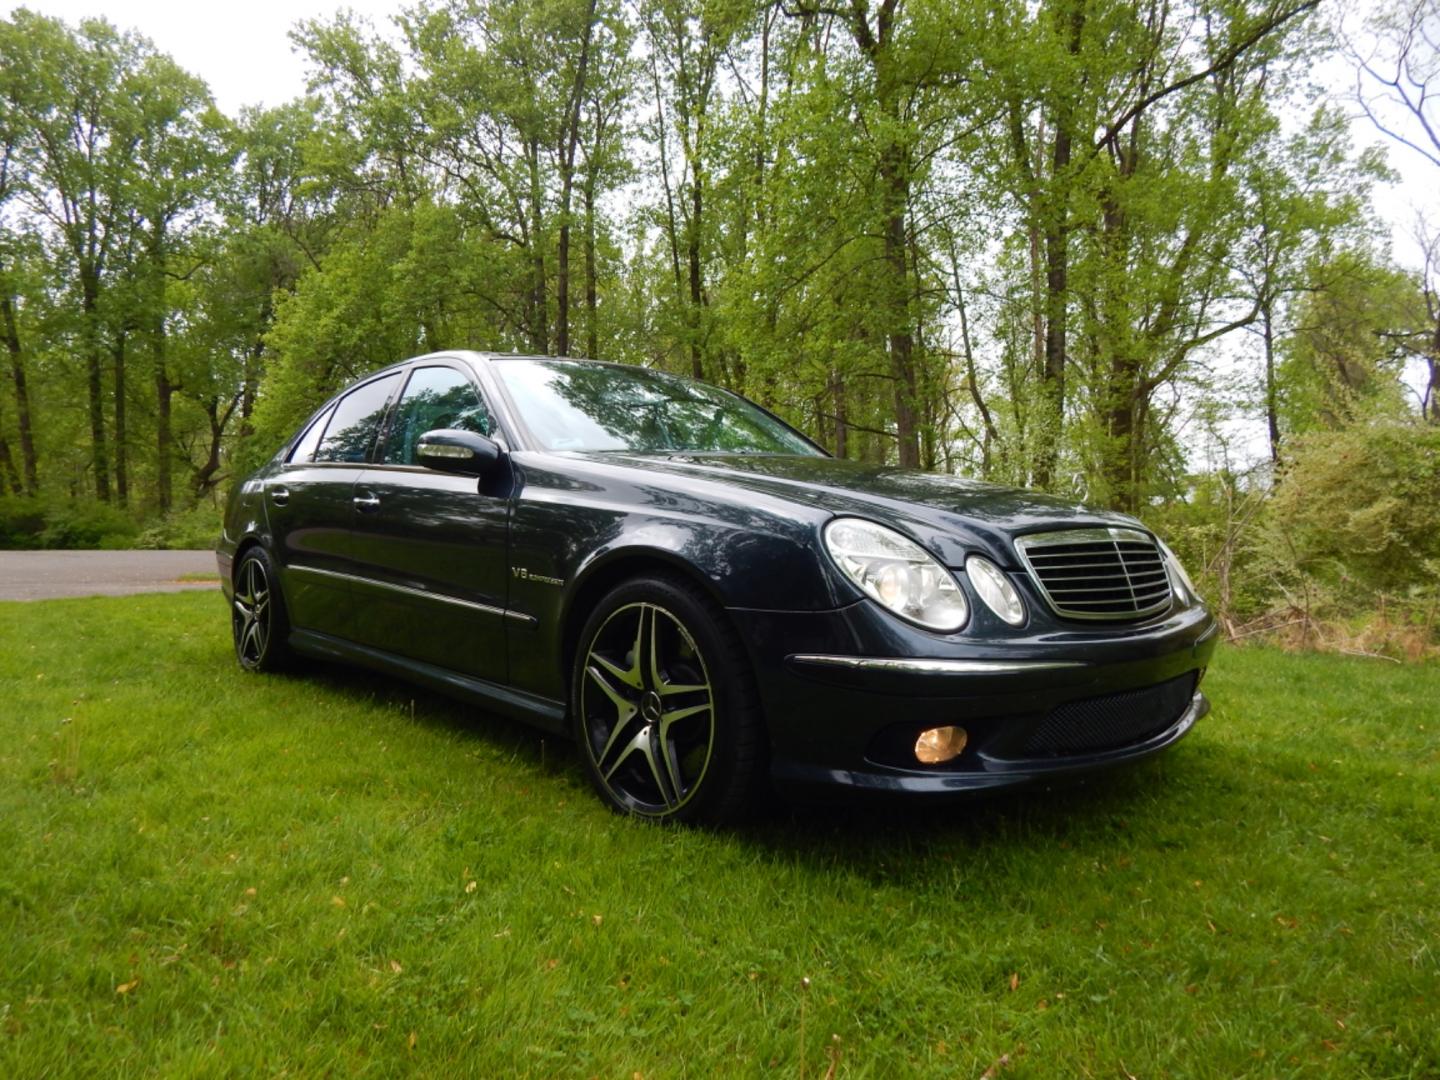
(46,575)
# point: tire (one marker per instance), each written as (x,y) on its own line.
(680,738)
(259,623)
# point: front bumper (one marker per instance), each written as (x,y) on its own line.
(846,694)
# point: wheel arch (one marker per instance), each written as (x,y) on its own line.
(605,573)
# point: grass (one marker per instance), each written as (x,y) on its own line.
(207,872)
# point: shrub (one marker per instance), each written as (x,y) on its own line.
(21,522)
(192,529)
(87,525)
(1358,512)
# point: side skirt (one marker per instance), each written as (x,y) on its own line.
(541,711)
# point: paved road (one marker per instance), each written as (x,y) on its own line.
(44,575)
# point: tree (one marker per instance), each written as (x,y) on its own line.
(1397,84)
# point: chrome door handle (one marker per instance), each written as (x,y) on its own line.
(366,502)
(279,495)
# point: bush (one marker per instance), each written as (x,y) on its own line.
(40,523)
(196,528)
(1358,512)
(1349,545)
(87,525)
(21,522)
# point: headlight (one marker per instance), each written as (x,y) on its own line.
(995,589)
(1179,579)
(897,573)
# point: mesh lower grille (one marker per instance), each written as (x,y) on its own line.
(1114,720)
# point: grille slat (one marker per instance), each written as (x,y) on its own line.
(1098,573)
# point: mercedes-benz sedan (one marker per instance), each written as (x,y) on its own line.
(702,597)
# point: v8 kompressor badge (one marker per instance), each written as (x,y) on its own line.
(543,579)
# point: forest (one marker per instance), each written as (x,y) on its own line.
(1122,250)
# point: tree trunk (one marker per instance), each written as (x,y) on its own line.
(539,306)
(1124,412)
(164,437)
(22,397)
(1057,272)
(697,285)
(901,338)
(99,458)
(592,304)
(1432,391)
(9,476)
(1272,407)
(570,142)
(122,457)
(207,476)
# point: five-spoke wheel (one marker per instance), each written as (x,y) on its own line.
(664,709)
(257,616)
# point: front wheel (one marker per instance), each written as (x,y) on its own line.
(664,706)
(258,620)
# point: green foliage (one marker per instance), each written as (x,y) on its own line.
(196,529)
(85,524)
(22,521)
(1341,366)
(1358,511)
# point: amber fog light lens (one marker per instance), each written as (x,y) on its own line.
(939,744)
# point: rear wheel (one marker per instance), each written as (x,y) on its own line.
(258,620)
(664,706)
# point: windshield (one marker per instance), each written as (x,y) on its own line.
(574,405)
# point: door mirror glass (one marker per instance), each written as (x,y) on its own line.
(452,450)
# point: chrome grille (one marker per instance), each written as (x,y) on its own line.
(1098,573)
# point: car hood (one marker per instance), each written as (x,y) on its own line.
(948,514)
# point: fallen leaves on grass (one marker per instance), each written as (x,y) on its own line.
(1003,1062)
(125,988)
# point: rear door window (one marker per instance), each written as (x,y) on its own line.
(305,448)
(357,421)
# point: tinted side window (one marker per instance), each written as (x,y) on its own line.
(356,421)
(305,448)
(436,397)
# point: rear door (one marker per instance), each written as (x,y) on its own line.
(310,506)
(431,547)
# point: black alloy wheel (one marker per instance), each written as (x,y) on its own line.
(257,617)
(664,706)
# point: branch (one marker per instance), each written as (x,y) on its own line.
(1223,61)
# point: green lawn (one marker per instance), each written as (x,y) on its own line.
(208,872)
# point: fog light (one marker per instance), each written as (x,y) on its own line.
(939,744)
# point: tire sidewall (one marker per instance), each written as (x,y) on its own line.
(276,651)
(730,716)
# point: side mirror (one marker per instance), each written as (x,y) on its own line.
(455,451)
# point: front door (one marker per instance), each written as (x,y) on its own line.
(430,547)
